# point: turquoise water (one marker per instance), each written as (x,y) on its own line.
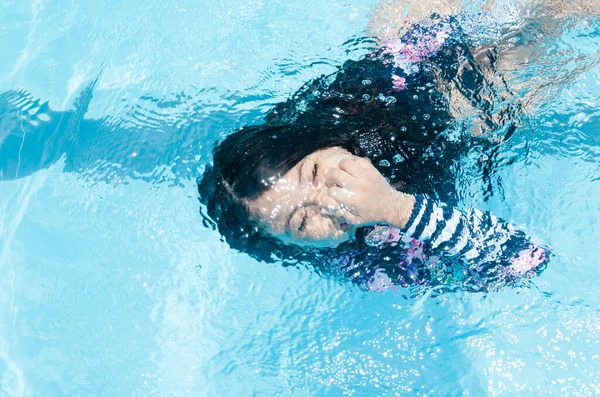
(111,286)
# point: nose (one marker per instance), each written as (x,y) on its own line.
(320,191)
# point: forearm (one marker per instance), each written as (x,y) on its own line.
(472,235)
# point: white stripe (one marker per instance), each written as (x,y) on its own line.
(436,215)
(449,230)
(415,223)
(477,217)
(472,253)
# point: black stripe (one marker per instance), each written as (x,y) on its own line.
(420,202)
(451,243)
(424,220)
(468,246)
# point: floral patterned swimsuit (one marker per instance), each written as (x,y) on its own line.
(441,245)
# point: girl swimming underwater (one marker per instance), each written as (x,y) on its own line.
(356,173)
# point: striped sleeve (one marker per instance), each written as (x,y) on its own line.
(470,234)
(439,223)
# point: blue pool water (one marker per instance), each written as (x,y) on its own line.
(111,286)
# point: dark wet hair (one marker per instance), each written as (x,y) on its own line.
(408,134)
(243,166)
(357,109)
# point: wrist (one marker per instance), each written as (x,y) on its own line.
(400,209)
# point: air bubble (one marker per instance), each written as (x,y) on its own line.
(274,137)
(384,163)
(414,118)
(390,100)
(366,97)
(403,129)
(415,97)
(366,82)
(426,116)
(397,158)
(327,47)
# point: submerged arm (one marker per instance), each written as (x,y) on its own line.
(473,235)
(528,54)
(391,16)
(561,8)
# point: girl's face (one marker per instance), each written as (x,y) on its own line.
(291,208)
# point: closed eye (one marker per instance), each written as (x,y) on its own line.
(315,172)
(303,223)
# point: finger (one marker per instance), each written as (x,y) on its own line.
(342,213)
(364,163)
(328,204)
(332,211)
(342,196)
(350,218)
(331,208)
(338,177)
(351,166)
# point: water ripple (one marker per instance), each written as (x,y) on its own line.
(114,287)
